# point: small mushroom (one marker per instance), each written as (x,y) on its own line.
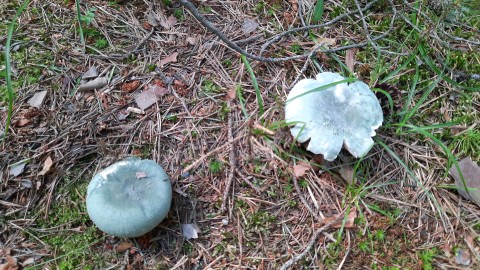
(340,115)
(129,198)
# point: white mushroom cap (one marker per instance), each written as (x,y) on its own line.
(129,198)
(343,114)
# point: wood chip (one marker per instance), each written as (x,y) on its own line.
(94,84)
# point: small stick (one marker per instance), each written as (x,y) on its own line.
(312,241)
(199,160)
(232,159)
(304,201)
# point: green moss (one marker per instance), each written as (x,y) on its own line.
(69,232)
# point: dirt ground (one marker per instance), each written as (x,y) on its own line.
(233,163)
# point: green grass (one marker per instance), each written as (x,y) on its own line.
(8,68)
(255,85)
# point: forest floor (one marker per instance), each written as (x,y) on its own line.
(258,198)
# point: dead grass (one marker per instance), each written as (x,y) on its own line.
(265,222)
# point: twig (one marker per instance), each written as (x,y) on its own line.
(310,244)
(304,68)
(232,159)
(309,27)
(190,7)
(200,159)
(304,201)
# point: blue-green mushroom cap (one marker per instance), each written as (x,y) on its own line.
(129,198)
(340,115)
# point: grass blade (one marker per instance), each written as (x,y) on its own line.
(435,69)
(317,12)
(79,20)
(8,68)
(255,85)
(238,89)
(412,175)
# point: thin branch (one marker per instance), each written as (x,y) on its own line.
(232,159)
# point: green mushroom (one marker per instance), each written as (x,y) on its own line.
(129,198)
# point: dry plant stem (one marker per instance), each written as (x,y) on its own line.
(232,159)
(309,27)
(190,7)
(309,246)
(305,66)
(304,201)
(214,151)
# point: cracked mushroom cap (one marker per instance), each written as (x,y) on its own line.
(129,198)
(340,115)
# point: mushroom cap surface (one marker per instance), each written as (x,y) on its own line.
(129,198)
(343,114)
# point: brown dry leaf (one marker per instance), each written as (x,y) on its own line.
(22,122)
(348,174)
(130,86)
(123,246)
(301,168)
(47,164)
(104,101)
(10,265)
(471,176)
(349,222)
(146,99)
(158,90)
(171,58)
(327,41)
(231,94)
(294,4)
(350,59)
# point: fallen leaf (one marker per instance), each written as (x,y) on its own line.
(10,265)
(471,174)
(151,19)
(26,183)
(37,99)
(130,86)
(169,59)
(301,168)
(123,246)
(158,90)
(17,169)
(104,101)
(463,257)
(349,222)
(326,41)
(192,40)
(231,94)
(190,231)
(146,99)
(47,164)
(348,174)
(123,114)
(249,26)
(350,59)
(91,73)
(21,122)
